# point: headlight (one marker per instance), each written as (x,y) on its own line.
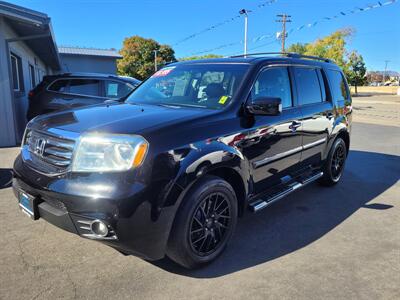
(109,153)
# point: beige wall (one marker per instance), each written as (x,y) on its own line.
(376,89)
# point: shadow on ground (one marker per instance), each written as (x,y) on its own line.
(5,178)
(303,217)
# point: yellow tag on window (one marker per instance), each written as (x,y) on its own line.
(223,99)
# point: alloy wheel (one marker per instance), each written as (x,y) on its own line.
(210,224)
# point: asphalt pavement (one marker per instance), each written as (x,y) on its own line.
(319,243)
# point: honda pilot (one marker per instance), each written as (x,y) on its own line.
(200,143)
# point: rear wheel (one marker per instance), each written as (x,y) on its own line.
(204,223)
(334,165)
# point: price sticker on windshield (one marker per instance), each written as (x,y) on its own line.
(163,72)
(223,99)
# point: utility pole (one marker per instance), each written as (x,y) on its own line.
(155,60)
(384,73)
(245,13)
(283,19)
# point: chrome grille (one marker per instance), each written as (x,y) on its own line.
(48,153)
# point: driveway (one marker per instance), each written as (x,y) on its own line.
(330,243)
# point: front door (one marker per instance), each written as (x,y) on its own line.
(273,144)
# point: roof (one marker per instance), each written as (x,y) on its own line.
(89,51)
(96,75)
(253,60)
(35,29)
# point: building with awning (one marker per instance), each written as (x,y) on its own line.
(28,51)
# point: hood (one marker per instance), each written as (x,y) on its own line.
(117,118)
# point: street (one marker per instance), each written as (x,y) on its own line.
(319,243)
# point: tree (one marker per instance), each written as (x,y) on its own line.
(200,57)
(138,57)
(297,48)
(331,46)
(356,70)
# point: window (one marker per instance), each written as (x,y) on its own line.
(32,75)
(59,86)
(17,75)
(338,84)
(273,82)
(209,85)
(89,87)
(116,90)
(308,86)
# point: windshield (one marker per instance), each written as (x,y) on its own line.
(209,86)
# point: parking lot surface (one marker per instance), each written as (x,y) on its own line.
(319,243)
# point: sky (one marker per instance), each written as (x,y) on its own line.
(105,24)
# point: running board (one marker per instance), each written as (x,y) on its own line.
(295,185)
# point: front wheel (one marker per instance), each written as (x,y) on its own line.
(204,223)
(334,165)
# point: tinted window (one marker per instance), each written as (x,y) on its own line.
(308,86)
(273,82)
(116,90)
(89,87)
(59,86)
(338,85)
(197,85)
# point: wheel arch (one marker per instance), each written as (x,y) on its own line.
(343,134)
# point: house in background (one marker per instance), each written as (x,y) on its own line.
(28,51)
(75,59)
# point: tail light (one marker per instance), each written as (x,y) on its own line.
(31,94)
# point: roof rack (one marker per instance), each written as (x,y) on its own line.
(287,54)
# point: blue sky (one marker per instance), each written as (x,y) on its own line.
(105,23)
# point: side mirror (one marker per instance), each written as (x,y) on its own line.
(267,106)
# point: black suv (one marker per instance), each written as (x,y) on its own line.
(170,170)
(69,90)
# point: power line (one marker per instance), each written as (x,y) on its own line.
(216,25)
(283,19)
(309,25)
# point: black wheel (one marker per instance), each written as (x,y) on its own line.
(334,165)
(204,224)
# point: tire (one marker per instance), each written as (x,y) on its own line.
(200,233)
(335,162)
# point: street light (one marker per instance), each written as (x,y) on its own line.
(245,13)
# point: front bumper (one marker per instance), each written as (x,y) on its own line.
(137,223)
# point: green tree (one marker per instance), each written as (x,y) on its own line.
(200,57)
(297,48)
(332,46)
(138,57)
(356,70)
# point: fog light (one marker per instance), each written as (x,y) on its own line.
(99,228)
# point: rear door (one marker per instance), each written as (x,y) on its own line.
(317,111)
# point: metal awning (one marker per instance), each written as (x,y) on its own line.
(34,28)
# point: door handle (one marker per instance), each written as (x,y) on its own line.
(294,125)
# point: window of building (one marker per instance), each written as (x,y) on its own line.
(274,82)
(17,76)
(32,75)
(339,89)
(308,86)
(116,90)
